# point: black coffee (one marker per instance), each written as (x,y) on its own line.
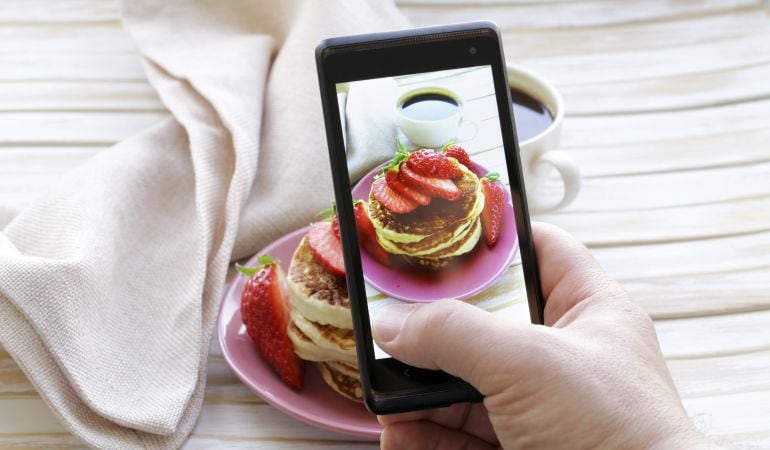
(531,115)
(429,106)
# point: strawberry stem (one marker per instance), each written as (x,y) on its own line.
(264,260)
(447,145)
(492,176)
(329,212)
(401,155)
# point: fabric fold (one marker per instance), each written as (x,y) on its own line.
(110,283)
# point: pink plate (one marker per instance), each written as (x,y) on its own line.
(317,404)
(472,274)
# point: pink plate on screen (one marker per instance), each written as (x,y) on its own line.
(317,404)
(469,275)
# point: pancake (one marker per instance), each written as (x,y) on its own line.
(429,236)
(310,350)
(316,294)
(341,381)
(321,325)
(442,258)
(445,248)
(341,340)
(433,223)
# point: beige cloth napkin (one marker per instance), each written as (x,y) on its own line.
(370,111)
(110,283)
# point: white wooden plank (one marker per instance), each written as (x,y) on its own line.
(27,415)
(13,382)
(698,295)
(677,154)
(711,336)
(645,35)
(670,93)
(743,441)
(686,258)
(24,66)
(238,421)
(632,193)
(702,377)
(59,441)
(667,224)
(653,63)
(651,127)
(73,127)
(569,15)
(25,161)
(79,96)
(36,11)
(64,37)
(747,412)
(215,442)
(222,386)
(28,172)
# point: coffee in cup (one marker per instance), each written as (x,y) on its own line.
(432,116)
(538,113)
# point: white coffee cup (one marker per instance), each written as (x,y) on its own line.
(434,132)
(538,153)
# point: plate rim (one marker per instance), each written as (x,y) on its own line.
(503,266)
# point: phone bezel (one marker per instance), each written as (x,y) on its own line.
(390,386)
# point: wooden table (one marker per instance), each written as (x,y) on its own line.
(668,115)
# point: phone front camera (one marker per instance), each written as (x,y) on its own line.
(472,50)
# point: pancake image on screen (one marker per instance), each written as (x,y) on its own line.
(321,328)
(430,236)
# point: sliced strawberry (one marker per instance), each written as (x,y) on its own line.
(367,236)
(391,199)
(435,187)
(336,226)
(430,163)
(458,153)
(494,205)
(326,247)
(391,177)
(265,312)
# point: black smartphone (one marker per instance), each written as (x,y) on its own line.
(428,188)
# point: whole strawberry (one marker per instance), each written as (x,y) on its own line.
(494,206)
(458,153)
(265,312)
(367,236)
(430,163)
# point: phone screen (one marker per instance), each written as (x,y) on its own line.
(427,164)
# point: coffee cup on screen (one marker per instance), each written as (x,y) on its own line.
(539,113)
(433,116)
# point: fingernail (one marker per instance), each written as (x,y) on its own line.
(389,321)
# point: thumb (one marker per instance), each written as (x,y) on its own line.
(458,338)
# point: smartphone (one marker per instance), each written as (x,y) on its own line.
(421,138)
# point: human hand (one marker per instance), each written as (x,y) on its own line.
(593,378)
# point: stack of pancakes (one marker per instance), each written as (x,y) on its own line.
(321,327)
(431,235)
